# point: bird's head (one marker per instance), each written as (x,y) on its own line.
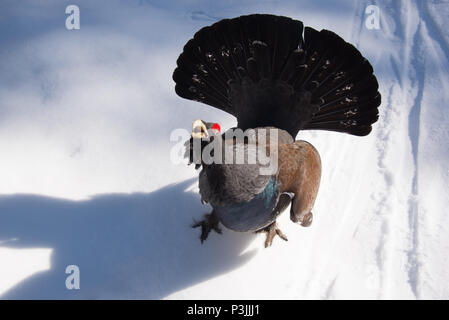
(205,130)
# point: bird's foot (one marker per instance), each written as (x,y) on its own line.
(209,223)
(272,230)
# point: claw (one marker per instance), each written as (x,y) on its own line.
(272,230)
(209,223)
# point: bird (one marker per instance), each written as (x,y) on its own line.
(276,77)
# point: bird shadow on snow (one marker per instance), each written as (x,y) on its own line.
(136,245)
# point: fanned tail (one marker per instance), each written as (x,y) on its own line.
(262,70)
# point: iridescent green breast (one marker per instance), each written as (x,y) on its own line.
(251,215)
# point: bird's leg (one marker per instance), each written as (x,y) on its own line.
(209,223)
(272,230)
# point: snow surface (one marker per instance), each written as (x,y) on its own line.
(86,177)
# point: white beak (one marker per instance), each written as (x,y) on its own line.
(199,130)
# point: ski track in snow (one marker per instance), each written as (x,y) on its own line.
(378,231)
(412,80)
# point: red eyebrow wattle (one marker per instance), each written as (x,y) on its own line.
(216,126)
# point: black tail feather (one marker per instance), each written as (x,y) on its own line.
(262,70)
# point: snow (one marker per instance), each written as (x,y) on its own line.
(86,177)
